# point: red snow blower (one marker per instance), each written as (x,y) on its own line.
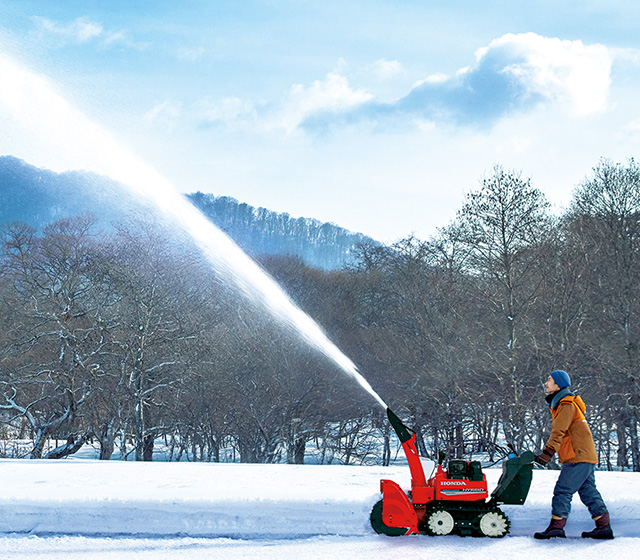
(453,501)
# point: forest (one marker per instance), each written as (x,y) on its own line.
(128,339)
(39,196)
(259,231)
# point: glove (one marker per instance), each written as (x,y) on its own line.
(545,456)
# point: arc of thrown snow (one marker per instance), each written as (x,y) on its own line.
(73,140)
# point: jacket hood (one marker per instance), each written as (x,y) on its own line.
(580,403)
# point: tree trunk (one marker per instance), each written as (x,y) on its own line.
(459,441)
(633,432)
(422,448)
(386,450)
(123,443)
(38,446)
(107,441)
(622,446)
(299,450)
(140,429)
(607,439)
(147,451)
(69,448)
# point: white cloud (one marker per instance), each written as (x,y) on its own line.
(331,94)
(230,111)
(166,113)
(513,74)
(437,78)
(514,144)
(566,72)
(115,37)
(632,127)
(191,54)
(384,69)
(79,31)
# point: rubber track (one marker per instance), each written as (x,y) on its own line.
(465,511)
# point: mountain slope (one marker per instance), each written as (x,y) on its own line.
(262,232)
(39,196)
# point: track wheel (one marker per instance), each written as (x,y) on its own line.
(379,525)
(494,524)
(440,522)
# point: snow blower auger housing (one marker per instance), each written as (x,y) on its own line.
(453,501)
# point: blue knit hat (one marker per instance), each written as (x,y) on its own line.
(561,378)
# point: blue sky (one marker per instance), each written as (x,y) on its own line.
(378,116)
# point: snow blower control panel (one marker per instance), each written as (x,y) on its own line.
(463,480)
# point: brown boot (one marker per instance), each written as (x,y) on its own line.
(555,529)
(603,529)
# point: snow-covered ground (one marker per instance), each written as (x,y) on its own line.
(91,509)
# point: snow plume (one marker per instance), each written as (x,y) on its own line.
(54,133)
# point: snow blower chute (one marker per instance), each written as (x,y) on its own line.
(455,500)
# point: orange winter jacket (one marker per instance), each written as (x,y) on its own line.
(570,434)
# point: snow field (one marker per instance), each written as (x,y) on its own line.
(91,509)
(316,548)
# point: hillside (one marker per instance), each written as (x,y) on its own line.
(39,196)
(262,232)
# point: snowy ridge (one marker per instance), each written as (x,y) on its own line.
(114,498)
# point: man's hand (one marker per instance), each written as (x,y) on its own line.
(545,456)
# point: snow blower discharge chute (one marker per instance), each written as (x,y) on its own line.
(453,501)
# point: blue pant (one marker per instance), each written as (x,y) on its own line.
(577,477)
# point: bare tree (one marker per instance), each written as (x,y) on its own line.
(57,337)
(504,224)
(145,270)
(607,210)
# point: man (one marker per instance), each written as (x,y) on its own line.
(571,438)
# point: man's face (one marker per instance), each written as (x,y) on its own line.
(551,386)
